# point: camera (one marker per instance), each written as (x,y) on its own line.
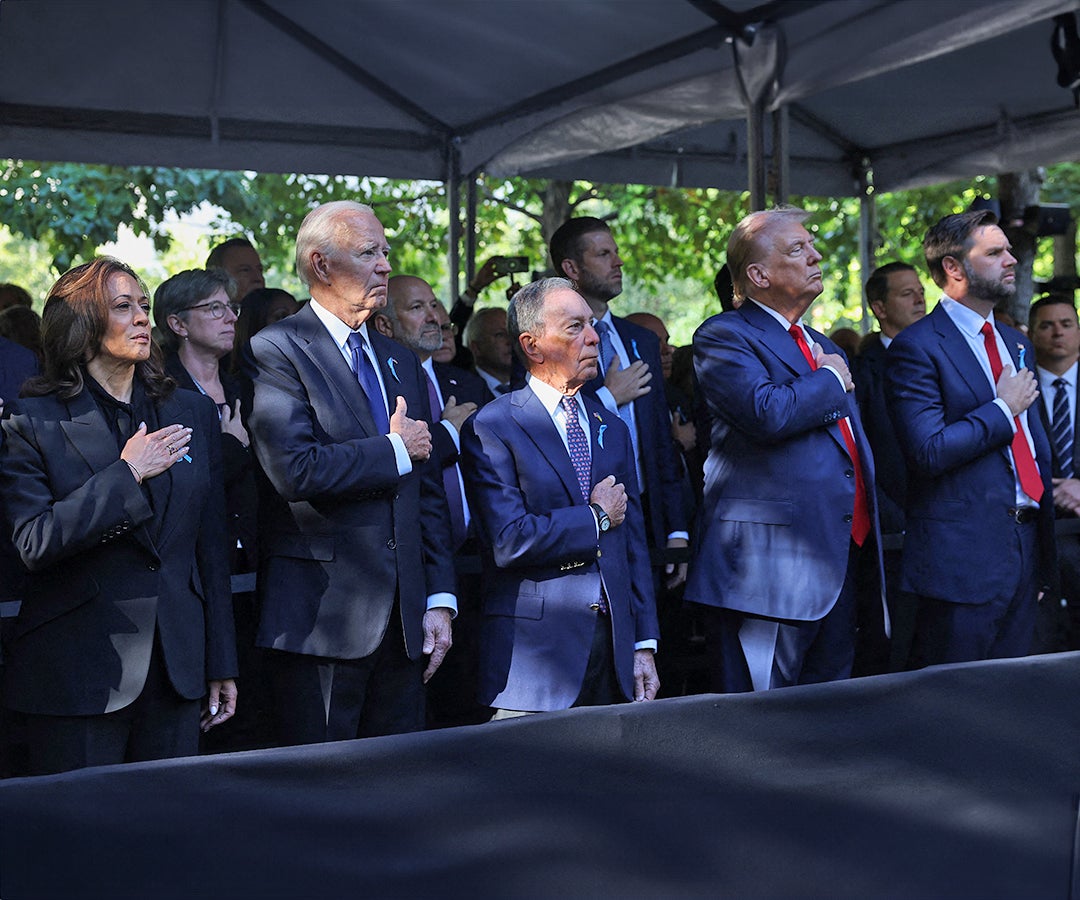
(504,265)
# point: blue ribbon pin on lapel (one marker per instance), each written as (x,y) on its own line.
(600,433)
(393,368)
(1023,352)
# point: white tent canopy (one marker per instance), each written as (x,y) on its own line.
(610,90)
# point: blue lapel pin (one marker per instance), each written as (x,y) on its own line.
(633,344)
(1023,353)
(392,363)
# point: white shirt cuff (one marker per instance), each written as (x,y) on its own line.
(448,601)
(646,645)
(401,455)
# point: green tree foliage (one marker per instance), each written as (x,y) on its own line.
(673,241)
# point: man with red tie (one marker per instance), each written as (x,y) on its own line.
(789,502)
(979,547)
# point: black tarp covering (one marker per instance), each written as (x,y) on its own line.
(955,782)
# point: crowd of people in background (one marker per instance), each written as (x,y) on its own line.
(237,519)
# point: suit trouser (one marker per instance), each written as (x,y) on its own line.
(949,632)
(320,699)
(801,652)
(160,724)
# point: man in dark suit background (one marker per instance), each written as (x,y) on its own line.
(895,295)
(569,617)
(628,381)
(1055,334)
(356,579)
(789,483)
(412,316)
(979,547)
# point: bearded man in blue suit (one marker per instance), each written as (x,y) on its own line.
(979,547)
(789,503)
(569,617)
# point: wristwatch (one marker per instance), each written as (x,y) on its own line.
(603,520)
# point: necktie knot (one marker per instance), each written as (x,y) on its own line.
(357,342)
(1060,384)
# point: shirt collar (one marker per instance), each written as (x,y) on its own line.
(339,331)
(549,396)
(965,318)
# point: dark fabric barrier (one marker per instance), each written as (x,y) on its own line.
(956,782)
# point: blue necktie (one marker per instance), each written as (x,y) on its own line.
(1062,430)
(369,381)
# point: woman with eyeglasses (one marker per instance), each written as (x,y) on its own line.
(110,483)
(196,317)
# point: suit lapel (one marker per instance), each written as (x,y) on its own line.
(389,355)
(774,338)
(530,414)
(629,342)
(316,342)
(599,436)
(89,433)
(172,489)
(959,353)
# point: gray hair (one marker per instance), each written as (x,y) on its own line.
(476,322)
(526,310)
(318,232)
(183,290)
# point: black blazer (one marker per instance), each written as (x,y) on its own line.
(106,568)
(241,496)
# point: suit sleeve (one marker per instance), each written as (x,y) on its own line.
(46,528)
(741,390)
(929,441)
(518,535)
(301,460)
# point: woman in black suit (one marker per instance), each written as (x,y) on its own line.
(110,482)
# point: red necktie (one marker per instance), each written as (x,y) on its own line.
(1026,469)
(860,520)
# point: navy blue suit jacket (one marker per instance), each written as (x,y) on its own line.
(868,370)
(542,558)
(959,545)
(342,535)
(660,467)
(775,529)
(16,365)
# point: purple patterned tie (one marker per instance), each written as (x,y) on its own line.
(449,474)
(579,445)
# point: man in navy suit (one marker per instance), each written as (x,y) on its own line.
(1055,333)
(789,483)
(412,316)
(895,295)
(628,381)
(979,547)
(569,617)
(357,578)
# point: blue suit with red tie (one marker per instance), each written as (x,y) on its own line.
(774,537)
(543,559)
(963,545)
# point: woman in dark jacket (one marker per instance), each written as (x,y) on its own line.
(110,483)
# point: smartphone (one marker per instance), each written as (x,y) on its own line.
(504,265)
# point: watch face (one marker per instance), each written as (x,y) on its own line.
(605,523)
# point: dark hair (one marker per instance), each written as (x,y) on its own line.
(566,242)
(877,285)
(252,319)
(725,290)
(14,295)
(175,295)
(952,236)
(1050,300)
(216,259)
(23,326)
(72,326)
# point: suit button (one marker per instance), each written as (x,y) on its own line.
(391,544)
(849,473)
(153,567)
(848,517)
(599,553)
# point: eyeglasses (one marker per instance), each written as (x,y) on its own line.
(216,308)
